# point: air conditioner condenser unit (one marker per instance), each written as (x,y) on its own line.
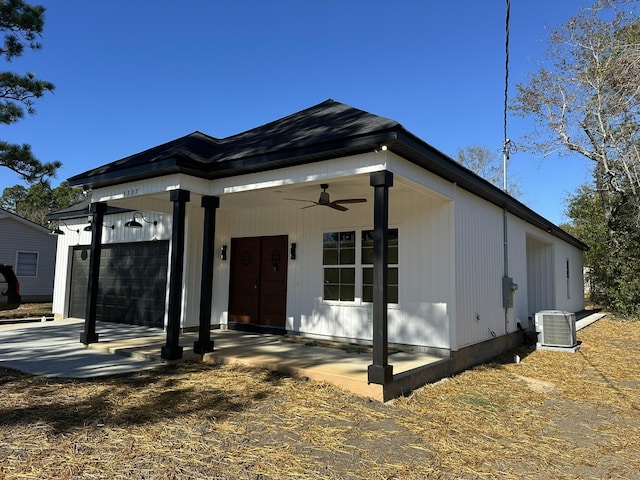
(556,330)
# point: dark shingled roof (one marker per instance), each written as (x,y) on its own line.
(312,134)
(327,130)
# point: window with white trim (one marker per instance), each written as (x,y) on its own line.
(341,260)
(27,264)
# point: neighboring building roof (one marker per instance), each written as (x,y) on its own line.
(6,214)
(327,130)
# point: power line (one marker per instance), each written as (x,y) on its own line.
(505,144)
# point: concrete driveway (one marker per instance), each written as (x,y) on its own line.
(53,349)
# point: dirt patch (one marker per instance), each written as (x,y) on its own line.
(539,386)
(553,415)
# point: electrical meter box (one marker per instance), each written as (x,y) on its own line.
(508,289)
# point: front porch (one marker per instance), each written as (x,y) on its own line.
(345,366)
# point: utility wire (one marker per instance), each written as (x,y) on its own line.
(505,144)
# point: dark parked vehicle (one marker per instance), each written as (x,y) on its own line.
(9,288)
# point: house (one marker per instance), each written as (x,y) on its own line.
(331,223)
(31,251)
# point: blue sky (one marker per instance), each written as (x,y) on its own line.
(130,75)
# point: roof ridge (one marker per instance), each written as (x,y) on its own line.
(283,119)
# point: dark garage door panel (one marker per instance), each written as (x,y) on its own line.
(132,283)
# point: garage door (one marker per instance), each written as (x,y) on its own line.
(132,285)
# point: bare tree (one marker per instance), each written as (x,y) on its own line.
(585,99)
(484,162)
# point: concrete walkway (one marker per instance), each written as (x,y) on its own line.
(588,320)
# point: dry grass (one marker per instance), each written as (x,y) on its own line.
(554,415)
(27,310)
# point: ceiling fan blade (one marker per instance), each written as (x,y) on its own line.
(335,206)
(351,200)
(299,200)
(315,204)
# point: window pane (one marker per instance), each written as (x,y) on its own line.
(367,293)
(331,292)
(347,256)
(331,275)
(330,257)
(367,256)
(27,264)
(348,275)
(392,276)
(367,238)
(330,240)
(347,293)
(347,239)
(367,247)
(393,255)
(367,276)
(339,284)
(392,294)
(393,237)
(392,285)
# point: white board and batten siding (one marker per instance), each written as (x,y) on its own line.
(479,269)
(537,262)
(425,267)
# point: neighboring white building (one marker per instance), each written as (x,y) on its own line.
(248,253)
(31,251)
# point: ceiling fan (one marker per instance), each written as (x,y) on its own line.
(326,202)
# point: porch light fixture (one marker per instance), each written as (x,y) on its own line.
(381,148)
(58,231)
(223,252)
(133,223)
(293,251)
(88,227)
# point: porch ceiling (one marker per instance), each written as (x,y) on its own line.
(281,195)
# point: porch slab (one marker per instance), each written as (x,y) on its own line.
(345,368)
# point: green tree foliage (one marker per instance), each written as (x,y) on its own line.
(36,202)
(585,99)
(22,26)
(612,270)
(486,164)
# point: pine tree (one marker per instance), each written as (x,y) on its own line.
(22,26)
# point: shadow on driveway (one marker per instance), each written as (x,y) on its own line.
(53,349)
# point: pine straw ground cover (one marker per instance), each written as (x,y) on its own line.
(27,310)
(554,415)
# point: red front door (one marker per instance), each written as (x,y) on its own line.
(258,284)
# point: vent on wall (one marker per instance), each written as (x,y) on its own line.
(556,329)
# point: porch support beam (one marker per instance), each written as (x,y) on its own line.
(172,350)
(204,343)
(89,334)
(380,372)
